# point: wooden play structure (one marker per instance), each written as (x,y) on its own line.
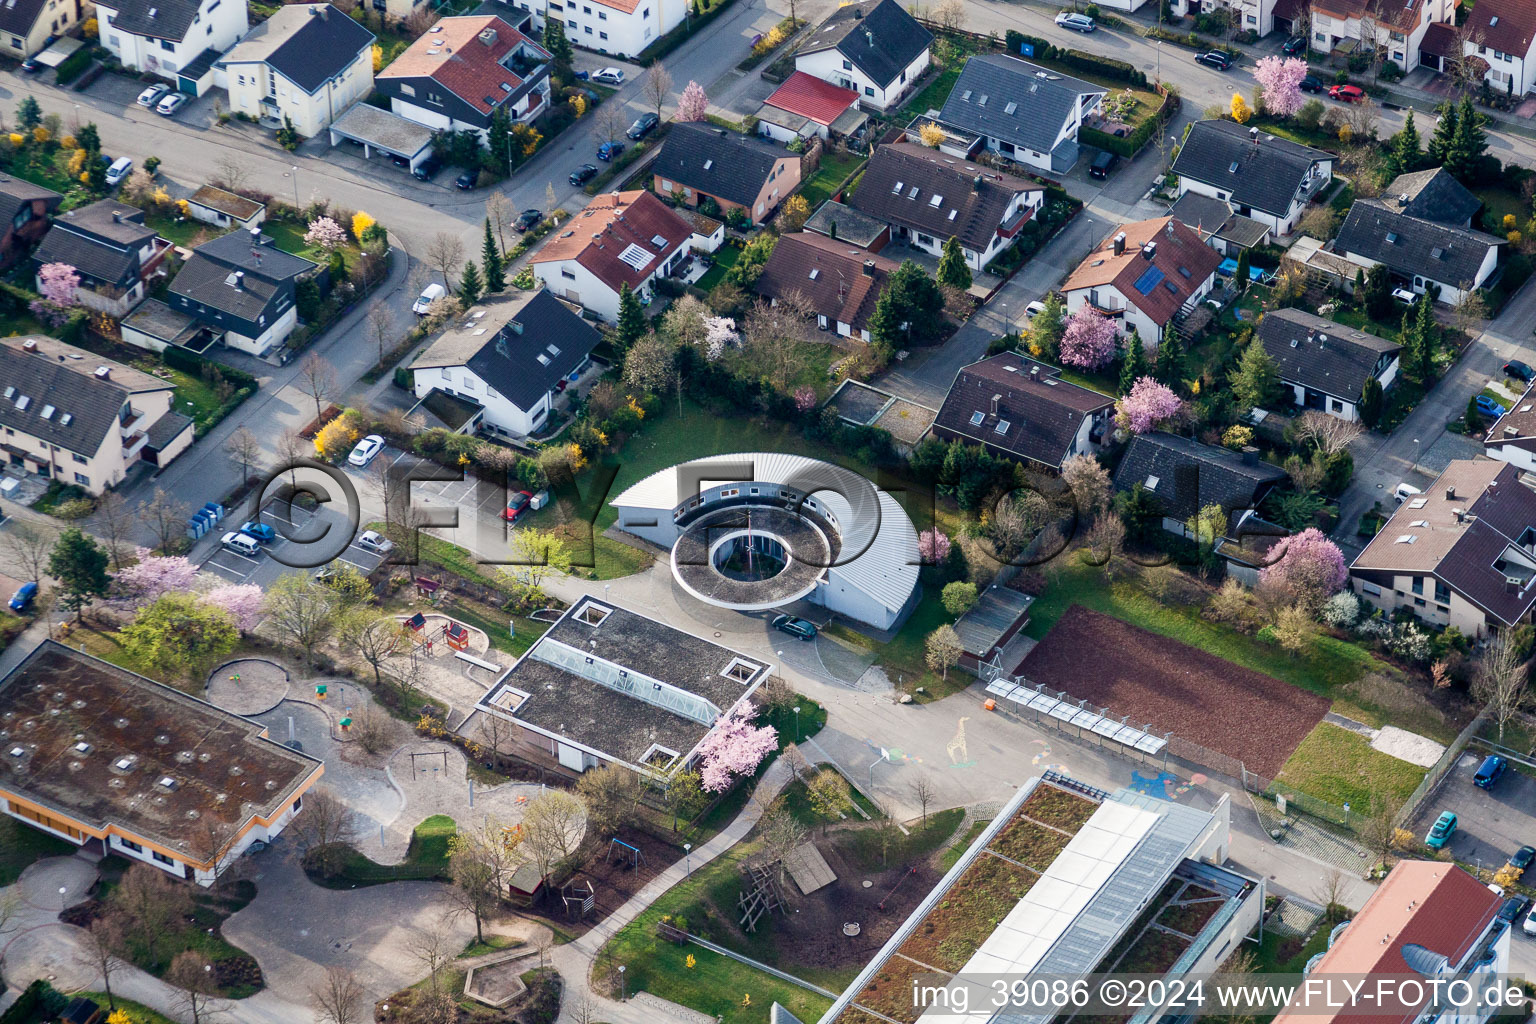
(457,636)
(579,898)
(762,898)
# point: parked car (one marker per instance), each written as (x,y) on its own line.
(1218,59)
(799,628)
(609,150)
(373,540)
(1404,491)
(1441,831)
(21,601)
(1514,907)
(1519,371)
(583,174)
(403,162)
(427,169)
(1311,83)
(582,76)
(150,96)
(31,66)
(428,294)
(1522,858)
(119,169)
(643,125)
(1490,771)
(608,76)
(1294,46)
(259,532)
(169,105)
(1034,309)
(1103,164)
(516,506)
(1530,924)
(528,219)
(1488,407)
(367,449)
(1346,93)
(240,544)
(1075,22)
(466,181)
(1404,295)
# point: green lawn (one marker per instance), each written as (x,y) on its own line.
(833,171)
(289,237)
(13,324)
(1340,766)
(21,845)
(138,1013)
(725,257)
(1499,201)
(426,859)
(862,846)
(930,96)
(183,231)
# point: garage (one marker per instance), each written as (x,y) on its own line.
(379,131)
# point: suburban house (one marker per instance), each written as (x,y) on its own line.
(734,171)
(1183,476)
(215,206)
(1021,111)
(110,247)
(1499,37)
(623,28)
(462,70)
(178,40)
(1463,553)
(1262,177)
(243,288)
(140,770)
(507,355)
(1144,276)
(24,212)
(1425,243)
(1223,228)
(928,197)
(28,26)
(605,685)
(1326,364)
(1432,195)
(874,47)
(1430,921)
(841,282)
(81,419)
(807,107)
(1512,438)
(1394,31)
(621,238)
(303,66)
(1017,407)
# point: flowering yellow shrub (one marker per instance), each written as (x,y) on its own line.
(361,222)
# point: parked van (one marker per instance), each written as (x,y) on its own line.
(120,169)
(1405,491)
(240,544)
(428,294)
(1489,772)
(1103,164)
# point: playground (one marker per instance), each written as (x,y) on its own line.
(447,659)
(613,872)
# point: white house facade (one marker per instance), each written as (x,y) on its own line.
(173,38)
(305,66)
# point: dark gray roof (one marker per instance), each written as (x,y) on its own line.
(160,19)
(61,380)
(877,37)
(999,610)
(14,193)
(1411,246)
(264,269)
(1042,101)
(1266,176)
(101,240)
(903,181)
(166,429)
(850,225)
(18,16)
(1322,355)
(725,164)
(1212,216)
(524,345)
(1041,414)
(1431,195)
(306,43)
(1185,475)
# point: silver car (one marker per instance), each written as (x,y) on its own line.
(150,96)
(1076,22)
(608,76)
(168,106)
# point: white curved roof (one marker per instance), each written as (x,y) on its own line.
(879,547)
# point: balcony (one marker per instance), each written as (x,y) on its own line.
(138,421)
(133,445)
(1011,228)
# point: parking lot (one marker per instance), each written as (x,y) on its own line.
(1491,825)
(465,511)
(296,528)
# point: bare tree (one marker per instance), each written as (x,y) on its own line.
(481,862)
(1468,314)
(28,545)
(657,85)
(1502,681)
(166,516)
(326,826)
(1330,434)
(498,210)
(609,122)
(114,522)
(942,649)
(782,833)
(774,333)
(1016,518)
(923,793)
(371,729)
(339,998)
(317,379)
(433,948)
(1330,893)
(292,447)
(949,14)
(650,364)
(231,172)
(150,903)
(1378,829)
(381,320)
(244,447)
(374,637)
(612,794)
(553,824)
(445,253)
(795,760)
(97,951)
(1361,118)
(196,991)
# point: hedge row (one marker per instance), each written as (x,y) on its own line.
(1077,60)
(73,66)
(190,362)
(1129,145)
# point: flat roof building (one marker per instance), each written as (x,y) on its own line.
(94,753)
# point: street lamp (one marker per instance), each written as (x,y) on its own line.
(623,990)
(63,890)
(295,171)
(797,723)
(688,858)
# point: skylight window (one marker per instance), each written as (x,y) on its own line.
(1391,237)
(543,359)
(658,241)
(952,214)
(894,191)
(1002,426)
(1421,523)
(10,392)
(1011,107)
(635,257)
(1437,253)
(815,273)
(23,402)
(47,412)
(1418,503)
(1184,272)
(1152,482)
(708,164)
(1406,538)
(935,200)
(977,417)
(912,192)
(981,100)
(553,350)
(966,96)
(1233,168)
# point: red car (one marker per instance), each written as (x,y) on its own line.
(516,506)
(1346,93)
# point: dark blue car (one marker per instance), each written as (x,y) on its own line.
(259,532)
(609,150)
(1490,771)
(21,601)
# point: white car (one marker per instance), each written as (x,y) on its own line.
(1075,22)
(1530,924)
(366,450)
(372,540)
(1034,309)
(1404,295)
(149,97)
(608,76)
(428,294)
(171,103)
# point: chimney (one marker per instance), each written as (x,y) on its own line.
(869,268)
(858,13)
(1450,493)
(1253,133)
(117,216)
(29,345)
(103,373)
(487,36)
(256,236)
(1460,514)
(1120,244)
(1250,456)
(1149,250)
(976,184)
(1034,371)
(995,399)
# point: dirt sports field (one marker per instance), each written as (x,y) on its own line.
(1197,696)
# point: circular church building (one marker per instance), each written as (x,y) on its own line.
(760,530)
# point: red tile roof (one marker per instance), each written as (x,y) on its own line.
(810,97)
(453,55)
(611,223)
(1504,25)
(1179,249)
(1425,903)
